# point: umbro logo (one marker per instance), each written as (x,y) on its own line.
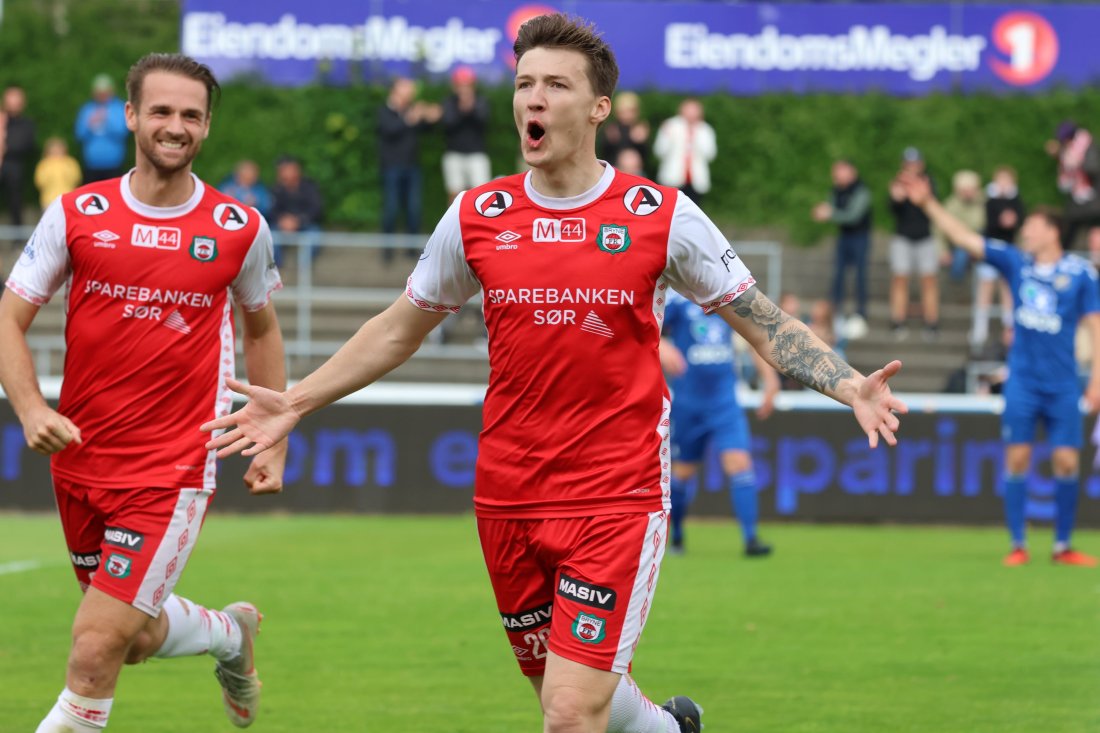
(507,238)
(105,238)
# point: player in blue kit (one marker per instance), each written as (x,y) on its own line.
(697,355)
(1052,291)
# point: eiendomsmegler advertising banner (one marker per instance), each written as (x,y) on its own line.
(811,465)
(685,47)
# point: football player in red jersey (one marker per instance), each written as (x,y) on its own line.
(572,485)
(152,263)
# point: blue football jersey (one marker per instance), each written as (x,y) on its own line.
(1048,300)
(707,344)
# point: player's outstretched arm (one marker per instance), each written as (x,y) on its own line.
(919,190)
(381,344)
(46,430)
(1092,390)
(793,349)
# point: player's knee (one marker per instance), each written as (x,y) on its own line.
(96,649)
(570,711)
(1065,464)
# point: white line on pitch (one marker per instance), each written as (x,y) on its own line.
(19,566)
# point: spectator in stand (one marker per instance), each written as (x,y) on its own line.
(296,205)
(627,131)
(245,186)
(1004,214)
(685,146)
(849,207)
(57,173)
(399,124)
(1078,174)
(912,249)
(966,203)
(102,132)
(16,150)
(629,161)
(465,121)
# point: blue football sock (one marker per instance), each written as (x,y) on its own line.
(1015,492)
(680,497)
(1065,499)
(743,498)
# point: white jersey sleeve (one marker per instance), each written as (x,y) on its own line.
(44,265)
(442,279)
(701,264)
(259,277)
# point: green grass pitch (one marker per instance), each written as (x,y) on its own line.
(388,624)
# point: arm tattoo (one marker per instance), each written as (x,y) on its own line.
(793,350)
(756,307)
(799,357)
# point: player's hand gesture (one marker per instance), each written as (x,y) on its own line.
(875,405)
(47,431)
(264,421)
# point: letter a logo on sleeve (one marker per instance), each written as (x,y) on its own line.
(230,217)
(613,238)
(493,203)
(642,200)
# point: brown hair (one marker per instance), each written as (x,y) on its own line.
(575,34)
(172,63)
(1053,217)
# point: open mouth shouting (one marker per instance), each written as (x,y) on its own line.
(536,133)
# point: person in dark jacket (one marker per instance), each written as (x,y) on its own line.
(465,121)
(297,205)
(400,122)
(912,249)
(17,146)
(849,207)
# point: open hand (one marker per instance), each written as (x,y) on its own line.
(875,405)
(264,421)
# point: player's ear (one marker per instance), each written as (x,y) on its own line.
(131,117)
(601,110)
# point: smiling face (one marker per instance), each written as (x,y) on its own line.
(170,121)
(555,108)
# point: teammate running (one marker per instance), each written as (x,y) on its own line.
(697,353)
(1052,291)
(575,261)
(152,264)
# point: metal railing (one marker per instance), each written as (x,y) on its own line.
(303,290)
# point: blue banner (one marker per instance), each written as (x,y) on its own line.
(682,47)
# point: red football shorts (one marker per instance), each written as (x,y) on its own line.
(132,544)
(579,587)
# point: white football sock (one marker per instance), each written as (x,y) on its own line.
(193,629)
(633,712)
(76,714)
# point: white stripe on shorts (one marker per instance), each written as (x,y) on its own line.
(174,550)
(641,597)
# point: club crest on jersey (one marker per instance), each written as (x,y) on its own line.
(493,203)
(589,628)
(230,217)
(204,249)
(118,566)
(613,238)
(643,200)
(92,204)
(1062,281)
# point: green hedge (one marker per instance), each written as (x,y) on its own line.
(774,151)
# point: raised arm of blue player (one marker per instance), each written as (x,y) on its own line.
(919,190)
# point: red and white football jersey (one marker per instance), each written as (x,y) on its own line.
(576,418)
(149,325)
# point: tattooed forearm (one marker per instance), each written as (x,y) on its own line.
(798,356)
(758,308)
